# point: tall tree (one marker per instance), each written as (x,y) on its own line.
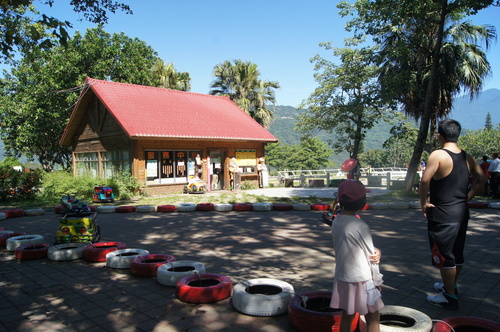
(347,100)
(488,125)
(38,95)
(240,81)
(22,25)
(166,76)
(428,56)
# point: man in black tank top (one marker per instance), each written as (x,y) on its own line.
(443,196)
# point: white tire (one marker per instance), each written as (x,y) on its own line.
(494,205)
(6,232)
(66,251)
(262,206)
(169,274)
(415,205)
(186,207)
(3,216)
(120,259)
(23,240)
(395,318)
(379,206)
(262,297)
(146,208)
(223,207)
(398,205)
(301,207)
(106,209)
(34,212)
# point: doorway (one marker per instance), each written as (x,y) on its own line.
(217,158)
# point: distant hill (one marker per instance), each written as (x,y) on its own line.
(472,114)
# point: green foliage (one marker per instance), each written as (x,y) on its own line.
(311,153)
(10,162)
(374,158)
(481,142)
(38,95)
(18,185)
(58,183)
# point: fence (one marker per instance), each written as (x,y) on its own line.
(389,177)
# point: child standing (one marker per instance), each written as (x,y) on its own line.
(357,281)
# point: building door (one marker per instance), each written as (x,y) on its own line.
(217,158)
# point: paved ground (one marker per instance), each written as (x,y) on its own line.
(292,246)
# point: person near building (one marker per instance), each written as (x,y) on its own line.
(233,173)
(494,170)
(357,280)
(262,171)
(485,164)
(444,192)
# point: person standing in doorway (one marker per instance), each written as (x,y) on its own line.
(494,170)
(443,198)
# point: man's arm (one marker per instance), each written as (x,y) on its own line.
(479,176)
(430,169)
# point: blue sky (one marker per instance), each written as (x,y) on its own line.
(279,36)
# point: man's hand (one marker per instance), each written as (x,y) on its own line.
(426,207)
(375,258)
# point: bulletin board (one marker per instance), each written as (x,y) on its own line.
(246,157)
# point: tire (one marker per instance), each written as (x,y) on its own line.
(13,213)
(170,273)
(462,323)
(66,251)
(477,205)
(223,207)
(205,207)
(243,207)
(32,251)
(106,209)
(262,206)
(165,208)
(282,207)
(3,216)
(120,259)
(398,205)
(414,205)
(96,252)
(379,206)
(34,212)
(301,207)
(125,209)
(15,242)
(320,207)
(311,312)
(146,208)
(4,237)
(59,209)
(395,318)
(494,205)
(186,207)
(262,297)
(4,231)
(147,265)
(204,288)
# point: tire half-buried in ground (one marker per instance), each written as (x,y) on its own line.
(262,297)
(66,251)
(121,259)
(147,265)
(204,288)
(170,273)
(32,251)
(96,252)
(395,318)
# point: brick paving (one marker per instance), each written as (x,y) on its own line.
(293,246)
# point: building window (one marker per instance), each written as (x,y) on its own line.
(87,164)
(246,160)
(171,166)
(115,162)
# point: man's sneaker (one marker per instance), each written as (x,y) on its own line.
(439,286)
(443,300)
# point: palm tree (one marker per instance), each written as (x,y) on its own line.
(239,80)
(168,77)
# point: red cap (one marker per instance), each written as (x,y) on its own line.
(351,191)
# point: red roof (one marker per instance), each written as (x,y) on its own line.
(144,111)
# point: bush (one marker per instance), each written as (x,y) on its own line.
(16,184)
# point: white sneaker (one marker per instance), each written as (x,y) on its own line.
(443,301)
(439,286)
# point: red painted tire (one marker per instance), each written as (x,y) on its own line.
(32,251)
(59,209)
(204,288)
(320,207)
(478,205)
(316,315)
(243,207)
(125,209)
(463,323)
(366,207)
(147,265)
(96,252)
(165,208)
(4,237)
(282,207)
(91,208)
(13,213)
(205,207)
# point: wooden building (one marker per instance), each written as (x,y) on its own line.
(162,137)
